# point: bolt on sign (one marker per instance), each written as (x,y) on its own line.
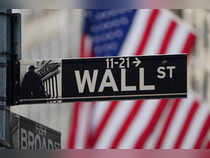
(25,134)
(107,78)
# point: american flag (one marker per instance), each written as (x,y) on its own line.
(147,124)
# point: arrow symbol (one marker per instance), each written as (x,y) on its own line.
(137,62)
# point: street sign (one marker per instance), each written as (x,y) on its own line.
(116,78)
(25,134)
(103,78)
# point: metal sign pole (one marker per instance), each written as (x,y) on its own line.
(10,48)
(5,47)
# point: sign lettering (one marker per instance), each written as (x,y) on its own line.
(124,78)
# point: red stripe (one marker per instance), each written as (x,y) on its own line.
(72,137)
(168,37)
(186,125)
(208,145)
(148,31)
(153,122)
(82,48)
(85,52)
(203,133)
(168,123)
(190,42)
(104,121)
(89,136)
(127,123)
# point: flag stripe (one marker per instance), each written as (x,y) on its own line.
(98,112)
(127,123)
(195,128)
(168,37)
(82,49)
(148,31)
(114,124)
(177,122)
(157,34)
(152,140)
(208,145)
(167,123)
(151,125)
(135,33)
(139,123)
(82,137)
(186,125)
(189,43)
(178,40)
(88,140)
(104,121)
(203,133)
(74,126)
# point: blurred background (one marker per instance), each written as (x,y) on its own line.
(54,34)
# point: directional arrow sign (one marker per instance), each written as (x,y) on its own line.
(137,62)
(109,78)
(135,77)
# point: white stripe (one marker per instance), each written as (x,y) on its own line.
(113,125)
(81,133)
(206,141)
(193,132)
(178,40)
(136,32)
(158,33)
(100,109)
(177,122)
(139,123)
(152,141)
